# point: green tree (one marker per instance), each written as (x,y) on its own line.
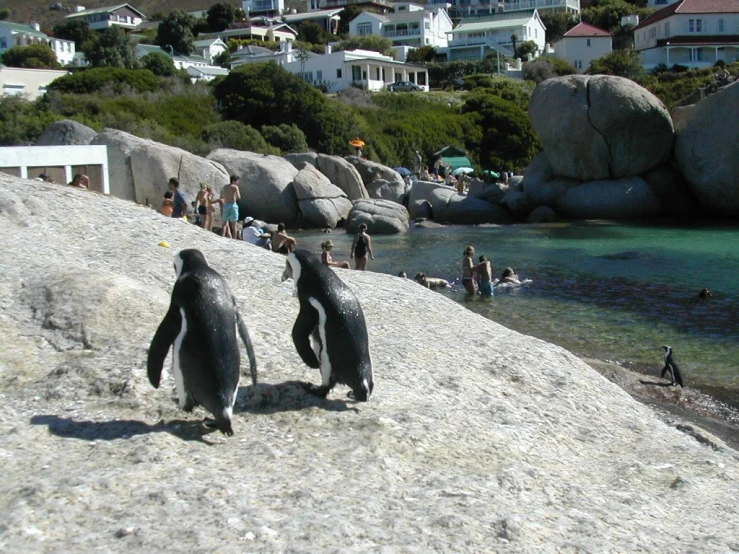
(526,48)
(504,136)
(236,135)
(98,78)
(223,59)
(607,14)
(311,32)
(220,16)
(288,138)
(36,56)
(73,29)
(176,31)
(21,121)
(422,54)
(624,63)
(159,64)
(376,43)
(346,16)
(556,24)
(5,14)
(111,48)
(514,40)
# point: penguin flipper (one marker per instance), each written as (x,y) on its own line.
(244,334)
(304,325)
(164,337)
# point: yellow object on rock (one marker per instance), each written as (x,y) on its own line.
(164,243)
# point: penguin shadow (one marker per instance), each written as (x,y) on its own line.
(187,430)
(289,396)
(656,383)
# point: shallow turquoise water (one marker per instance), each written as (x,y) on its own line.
(601,289)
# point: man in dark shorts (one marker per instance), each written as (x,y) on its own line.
(180,204)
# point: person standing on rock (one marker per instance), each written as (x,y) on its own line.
(361,247)
(418,164)
(230,195)
(179,200)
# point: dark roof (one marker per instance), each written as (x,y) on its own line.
(585,30)
(687,40)
(692,7)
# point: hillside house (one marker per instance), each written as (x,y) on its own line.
(582,44)
(693,33)
(29,83)
(17,34)
(409,25)
(124,16)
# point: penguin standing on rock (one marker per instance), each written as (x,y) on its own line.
(331,316)
(202,322)
(671,366)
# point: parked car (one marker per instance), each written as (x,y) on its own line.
(405,86)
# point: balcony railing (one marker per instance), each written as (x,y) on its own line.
(402,33)
(329,4)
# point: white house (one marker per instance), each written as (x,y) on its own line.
(467,8)
(476,37)
(209,48)
(328,20)
(582,44)
(122,15)
(694,33)
(30,83)
(197,66)
(257,54)
(16,34)
(275,32)
(263,7)
(409,25)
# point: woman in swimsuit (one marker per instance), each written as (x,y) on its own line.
(467,268)
(362,246)
(326,257)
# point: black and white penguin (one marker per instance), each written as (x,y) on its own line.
(330,315)
(671,366)
(202,322)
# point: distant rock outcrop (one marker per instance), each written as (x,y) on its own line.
(600,127)
(707,149)
(382,217)
(66,132)
(320,204)
(447,205)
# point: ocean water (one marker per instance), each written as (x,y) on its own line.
(606,290)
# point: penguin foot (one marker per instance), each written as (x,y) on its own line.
(315,390)
(224,427)
(210,423)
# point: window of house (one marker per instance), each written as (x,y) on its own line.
(338,73)
(378,75)
(691,25)
(14,90)
(427,25)
(3,42)
(721,26)
(653,32)
(319,75)
(698,25)
(696,55)
(588,42)
(667,29)
(578,64)
(364,29)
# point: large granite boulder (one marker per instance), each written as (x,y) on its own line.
(342,174)
(447,205)
(66,132)
(518,202)
(371,171)
(609,199)
(600,127)
(671,189)
(153,164)
(387,190)
(266,184)
(300,158)
(539,172)
(489,192)
(542,214)
(320,204)
(382,217)
(120,145)
(707,149)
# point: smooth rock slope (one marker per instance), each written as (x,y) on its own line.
(477,439)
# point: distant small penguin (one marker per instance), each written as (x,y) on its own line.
(202,322)
(671,366)
(331,316)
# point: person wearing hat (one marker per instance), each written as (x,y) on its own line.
(326,256)
(252,234)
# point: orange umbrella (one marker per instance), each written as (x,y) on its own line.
(357,142)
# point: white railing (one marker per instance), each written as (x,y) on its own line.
(402,33)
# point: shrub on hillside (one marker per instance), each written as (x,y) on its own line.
(542,69)
(288,138)
(236,135)
(159,64)
(111,78)
(21,121)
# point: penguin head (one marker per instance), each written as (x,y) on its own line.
(188,259)
(668,352)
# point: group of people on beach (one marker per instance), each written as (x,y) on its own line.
(361,251)
(478,277)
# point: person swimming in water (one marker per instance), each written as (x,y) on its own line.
(509,277)
(429,282)
(361,247)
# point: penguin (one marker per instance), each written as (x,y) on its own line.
(331,316)
(202,322)
(671,366)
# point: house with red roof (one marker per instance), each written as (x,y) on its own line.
(582,44)
(694,33)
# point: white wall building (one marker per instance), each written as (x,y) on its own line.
(209,48)
(30,83)
(122,15)
(196,66)
(582,44)
(476,37)
(467,8)
(409,25)
(263,7)
(693,33)
(61,163)
(328,20)
(16,34)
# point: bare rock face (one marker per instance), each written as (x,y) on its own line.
(321,204)
(371,171)
(342,174)
(299,158)
(706,150)
(609,199)
(120,145)
(382,217)
(671,189)
(600,127)
(447,205)
(387,190)
(542,214)
(66,132)
(265,186)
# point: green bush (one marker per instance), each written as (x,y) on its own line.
(159,63)
(236,135)
(21,121)
(288,138)
(110,78)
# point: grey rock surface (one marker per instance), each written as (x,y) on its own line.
(371,171)
(671,189)
(66,132)
(603,126)
(449,206)
(342,174)
(707,150)
(299,158)
(537,174)
(120,145)
(266,184)
(320,204)
(387,190)
(542,214)
(518,202)
(527,449)
(616,199)
(382,217)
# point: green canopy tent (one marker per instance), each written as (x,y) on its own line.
(453,156)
